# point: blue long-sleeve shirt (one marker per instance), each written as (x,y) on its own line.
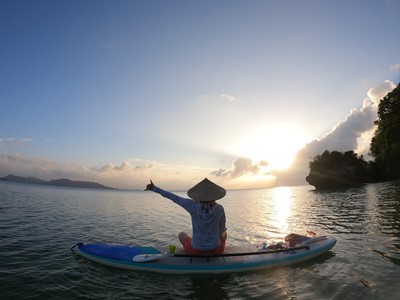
(207,226)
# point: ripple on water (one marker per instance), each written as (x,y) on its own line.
(38,225)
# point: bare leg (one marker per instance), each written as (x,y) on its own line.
(182,237)
(224,236)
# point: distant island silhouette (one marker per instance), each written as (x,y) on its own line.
(56,182)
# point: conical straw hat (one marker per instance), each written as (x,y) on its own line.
(205,191)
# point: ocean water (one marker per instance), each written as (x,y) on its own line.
(39,224)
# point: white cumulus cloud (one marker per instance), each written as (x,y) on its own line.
(241,166)
(380,91)
(354,132)
(395,67)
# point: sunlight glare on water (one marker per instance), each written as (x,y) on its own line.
(282,200)
(38,226)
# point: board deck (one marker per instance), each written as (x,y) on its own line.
(120,256)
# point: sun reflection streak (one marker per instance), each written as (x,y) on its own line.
(282,200)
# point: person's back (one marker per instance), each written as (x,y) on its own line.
(208,217)
(208,222)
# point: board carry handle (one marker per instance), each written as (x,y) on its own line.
(150,257)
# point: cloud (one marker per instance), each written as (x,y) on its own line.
(229,98)
(47,169)
(24,141)
(130,174)
(20,165)
(15,141)
(241,166)
(395,67)
(222,98)
(346,133)
(354,132)
(125,167)
(380,91)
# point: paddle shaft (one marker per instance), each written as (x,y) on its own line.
(242,253)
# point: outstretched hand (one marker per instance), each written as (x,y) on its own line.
(150,186)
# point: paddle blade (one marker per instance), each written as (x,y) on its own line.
(149,257)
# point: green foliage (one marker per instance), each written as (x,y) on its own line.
(385,145)
(337,169)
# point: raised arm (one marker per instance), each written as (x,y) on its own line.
(150,186)
(186,203)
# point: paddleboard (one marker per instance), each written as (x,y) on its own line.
(235,258)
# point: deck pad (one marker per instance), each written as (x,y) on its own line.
(120,256)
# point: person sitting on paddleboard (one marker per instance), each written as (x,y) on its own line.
(208,217)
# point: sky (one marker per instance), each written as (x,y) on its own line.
(241,92)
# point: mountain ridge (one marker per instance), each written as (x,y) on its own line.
(56,182)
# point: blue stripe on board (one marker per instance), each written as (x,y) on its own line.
(115,251)
(127,262)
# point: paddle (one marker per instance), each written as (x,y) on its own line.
(151,257)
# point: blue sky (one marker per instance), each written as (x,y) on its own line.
(122,91)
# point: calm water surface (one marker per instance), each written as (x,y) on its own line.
(39,224)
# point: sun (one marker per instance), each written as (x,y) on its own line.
(276,146)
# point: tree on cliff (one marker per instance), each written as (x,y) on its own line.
(385,145)
(337,169)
